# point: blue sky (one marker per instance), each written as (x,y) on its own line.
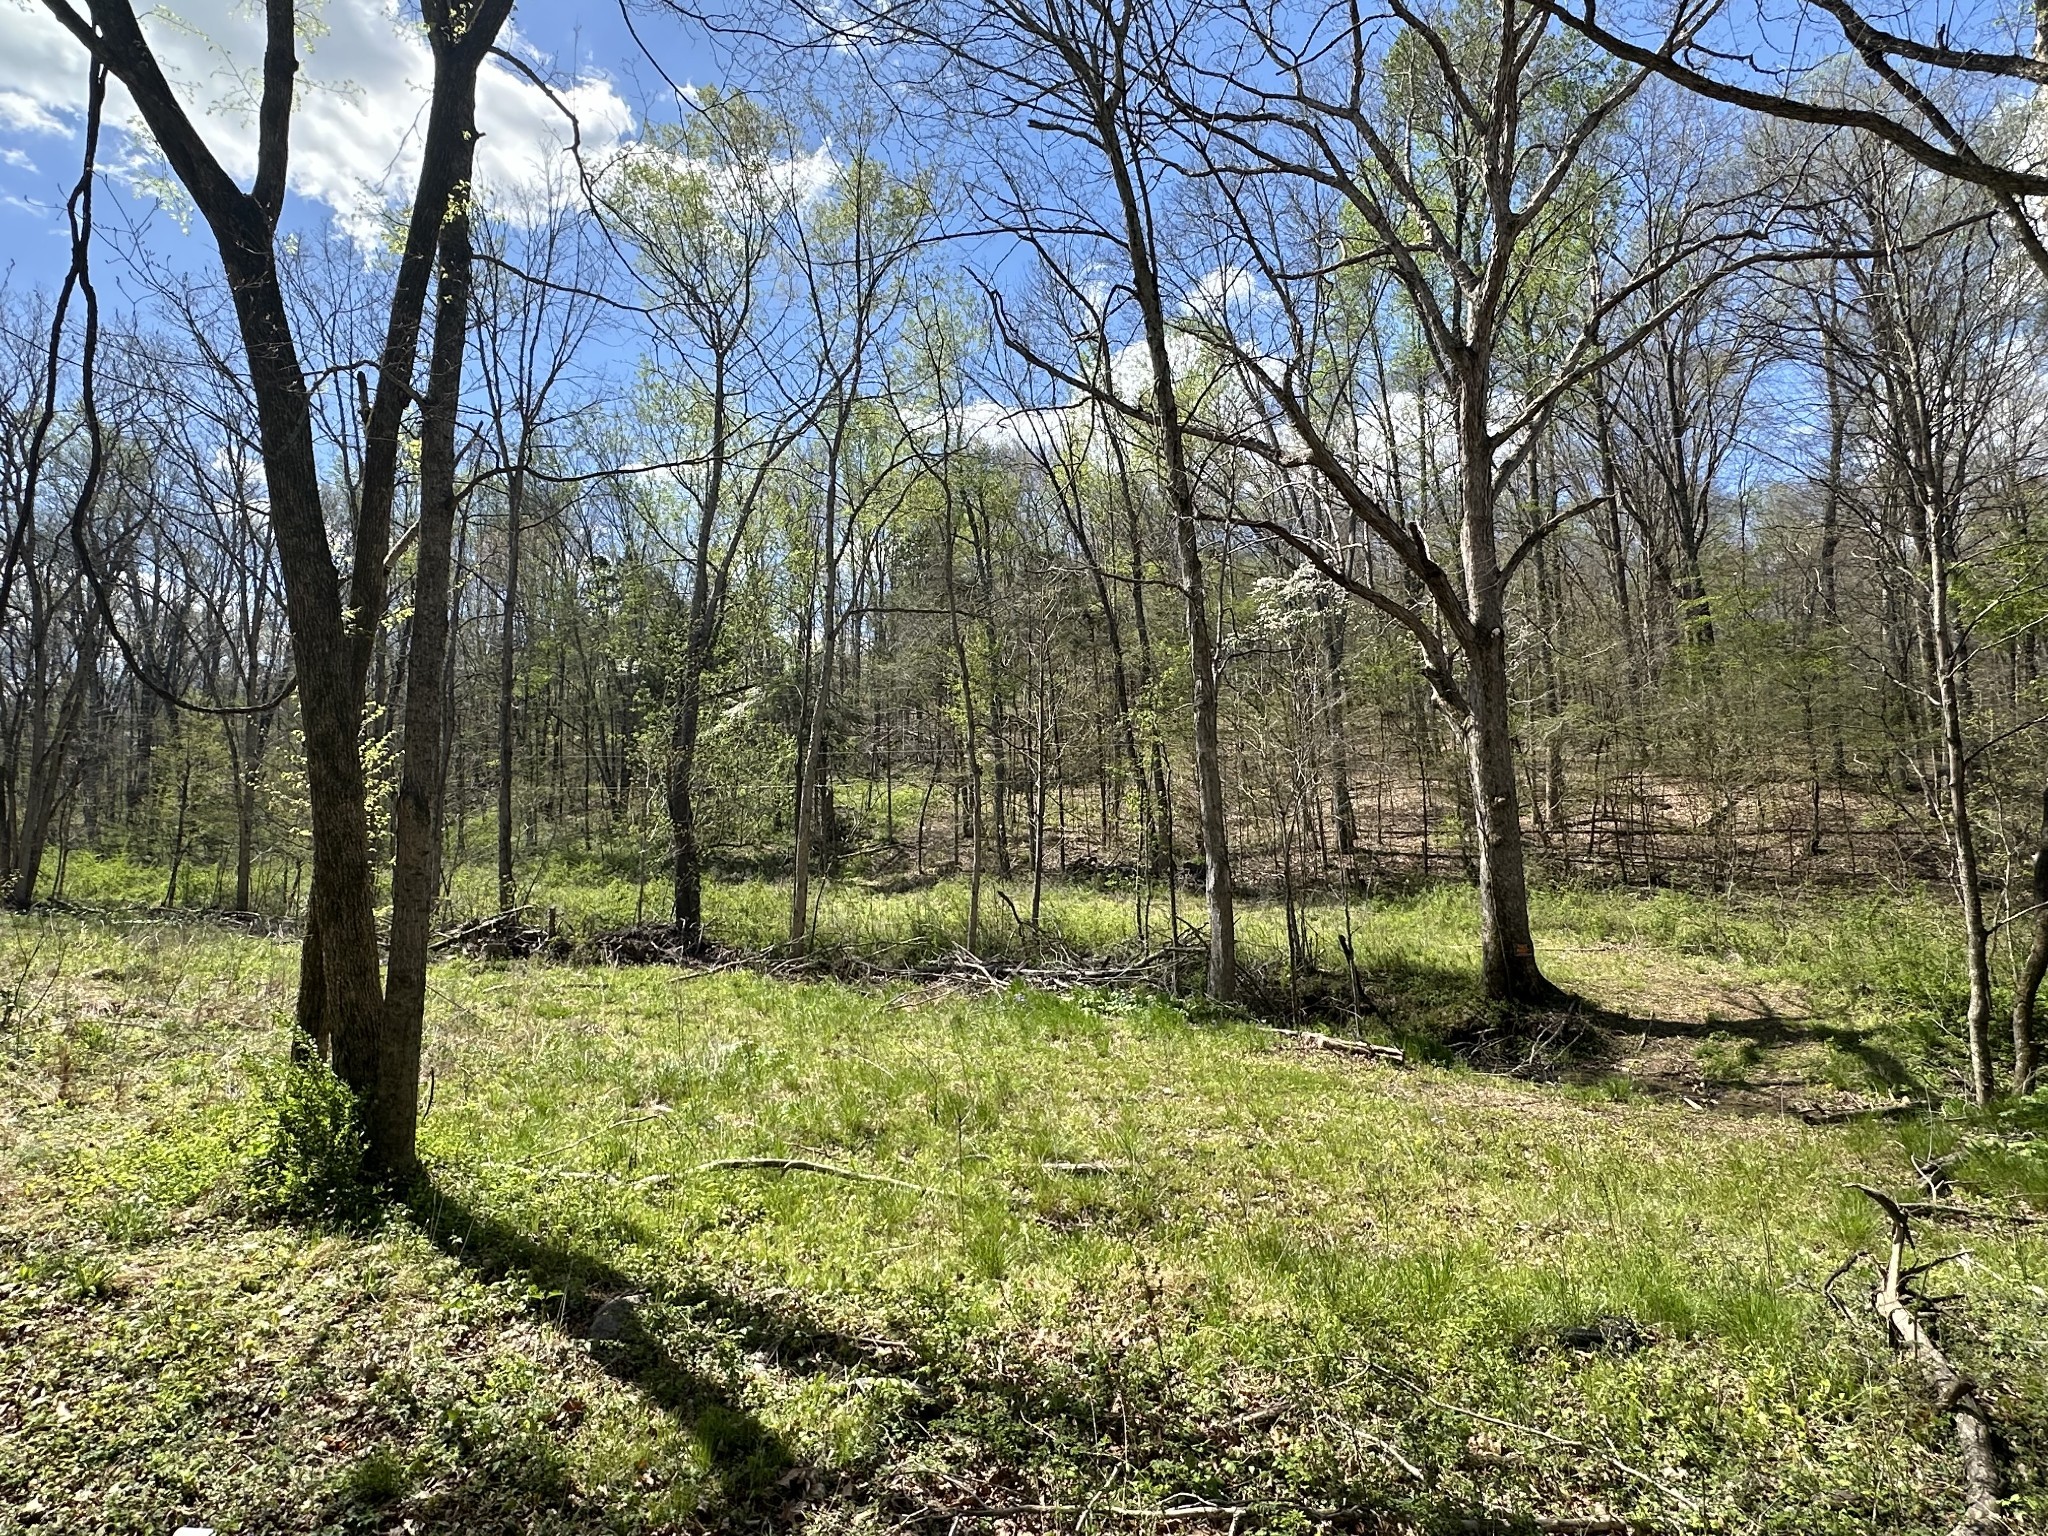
(365,75)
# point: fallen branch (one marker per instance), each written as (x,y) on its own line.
(1941,1210)
(1954,1392)
(1318,1042)
(1860,1111)
(809,1165)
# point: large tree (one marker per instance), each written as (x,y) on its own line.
(371,1024)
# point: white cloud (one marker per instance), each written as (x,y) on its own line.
(362,104)
(23,114)
(1217,293)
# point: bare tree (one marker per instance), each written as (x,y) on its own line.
(372,1024)
(1464,152)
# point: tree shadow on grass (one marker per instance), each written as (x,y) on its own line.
(751,1474)
(1747,1074)
(1007,1423)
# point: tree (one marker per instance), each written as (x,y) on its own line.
(1930,341)
(372,1025)
(535,312)
(1093,186)
(1460,151)
(1908,98)
(711,208)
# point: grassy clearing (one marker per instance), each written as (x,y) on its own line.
(1860,994)
(1142,1255)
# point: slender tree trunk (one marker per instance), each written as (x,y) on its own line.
(686,859)
(1180,491)
(178,834)
(391,1113)
(1038,793)
(1336,722)
(508,631)
(2025,1061)
(50,758)
(811,772)
(1943,665)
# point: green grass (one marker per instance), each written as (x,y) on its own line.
(1277,1277)
(1881,976)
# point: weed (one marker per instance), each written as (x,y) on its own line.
(377,1478)
(306,1158)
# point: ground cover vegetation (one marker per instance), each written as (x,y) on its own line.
(1097,1250)
(1152,763)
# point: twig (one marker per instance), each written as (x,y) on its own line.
(809,1165)
(1827,1288)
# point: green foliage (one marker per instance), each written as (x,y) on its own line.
(305,1159)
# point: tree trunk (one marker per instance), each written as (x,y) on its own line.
(1180,492)
(814,745)
(391,1112)
(2024,1058)
(1507,947)
(1341,807)
(1943,665)
(686,865)
(515,499)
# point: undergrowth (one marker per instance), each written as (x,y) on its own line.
(1103,1252)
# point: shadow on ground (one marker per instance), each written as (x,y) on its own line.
(749,1473)
(1761,1062)
(993,1433)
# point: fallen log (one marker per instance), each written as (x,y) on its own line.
(1954,1393)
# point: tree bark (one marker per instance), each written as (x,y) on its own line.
(515,500)
(391,1112)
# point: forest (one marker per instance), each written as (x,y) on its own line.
(1055,765)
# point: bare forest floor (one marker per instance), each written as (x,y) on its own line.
(1043,1260)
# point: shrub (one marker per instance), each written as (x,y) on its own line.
(306,1163)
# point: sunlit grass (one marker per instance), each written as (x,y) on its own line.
(1141,1251)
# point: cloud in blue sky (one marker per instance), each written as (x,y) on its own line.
(365,73)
